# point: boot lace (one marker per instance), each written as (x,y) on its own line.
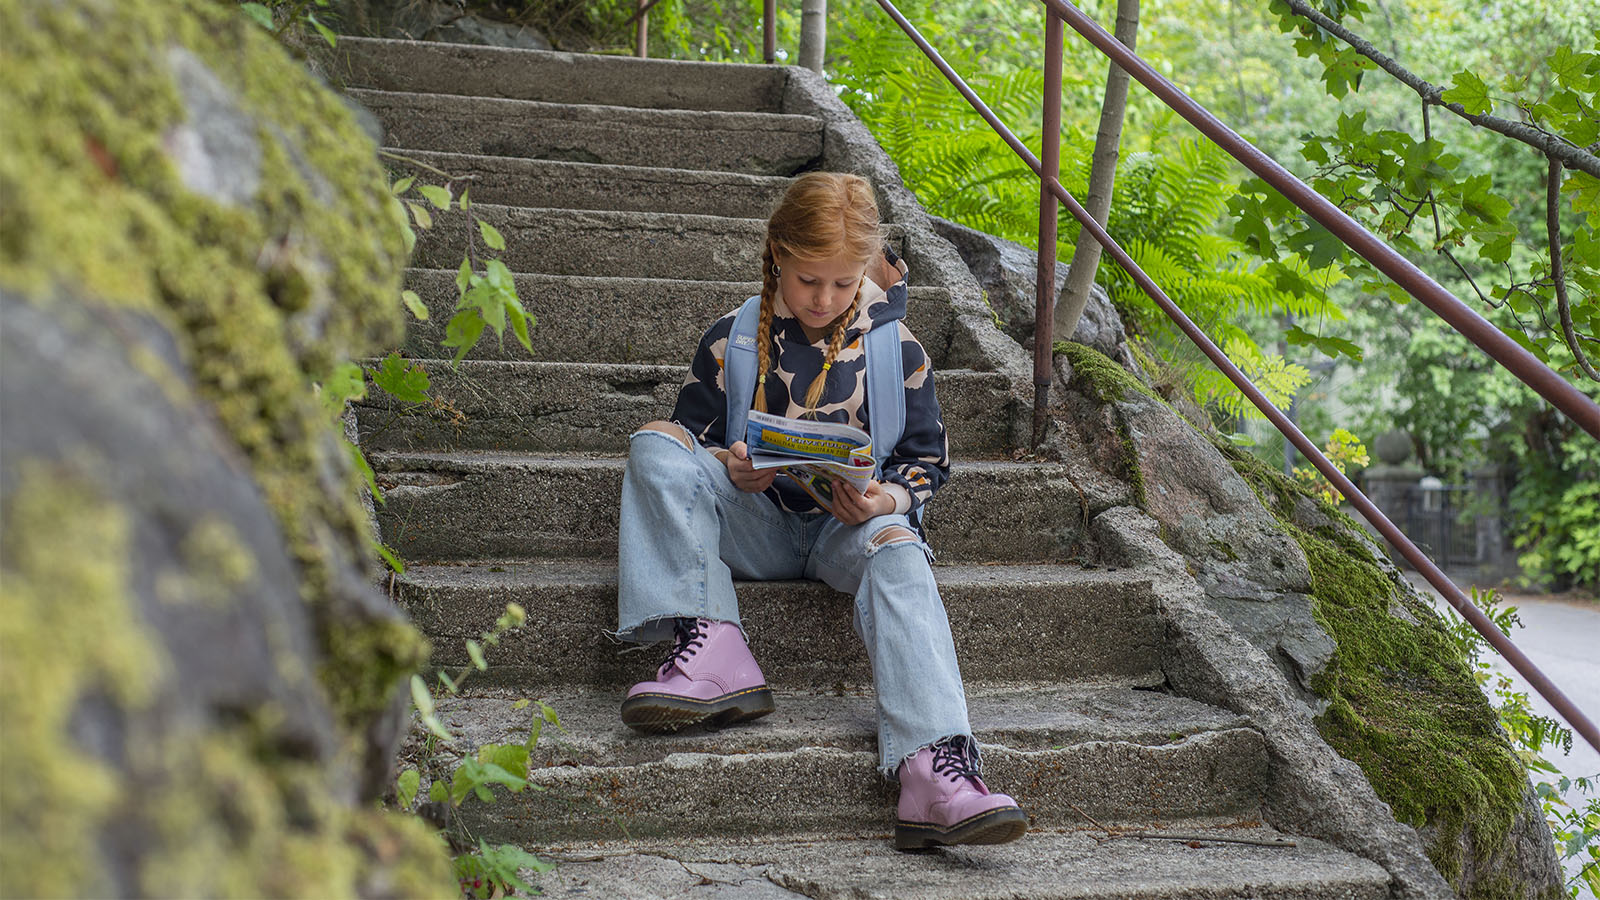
(956,757)
(690,635)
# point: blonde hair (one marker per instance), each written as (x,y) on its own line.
(823,214)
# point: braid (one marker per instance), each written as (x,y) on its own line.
(814,393)
(769,291)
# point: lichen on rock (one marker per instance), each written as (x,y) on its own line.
(195,234)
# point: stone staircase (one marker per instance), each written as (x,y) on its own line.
(632,195)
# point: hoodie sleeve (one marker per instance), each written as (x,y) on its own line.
(702,405)
(920,463)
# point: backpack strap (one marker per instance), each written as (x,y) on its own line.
(739,370)
(886,390)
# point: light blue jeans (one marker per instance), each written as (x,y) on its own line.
(687,532)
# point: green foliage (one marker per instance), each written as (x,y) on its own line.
(497,867)
(1574,821)
(1342,449)
(281,16)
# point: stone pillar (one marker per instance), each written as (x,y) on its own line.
(1390,480)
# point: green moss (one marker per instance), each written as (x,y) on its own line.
(1402,703)
(1104,381)
(71,630)
(263,299)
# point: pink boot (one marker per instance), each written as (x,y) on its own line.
(710,676)
(943,801)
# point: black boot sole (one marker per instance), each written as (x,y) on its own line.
(996,826)
(656,713)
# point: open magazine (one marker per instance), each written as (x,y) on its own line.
(814,454)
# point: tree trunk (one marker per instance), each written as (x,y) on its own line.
(813,33)
(1086,255)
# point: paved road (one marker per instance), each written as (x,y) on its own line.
(1561,639)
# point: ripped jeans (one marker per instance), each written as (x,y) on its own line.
(687,532)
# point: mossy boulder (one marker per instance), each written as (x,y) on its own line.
(1368,656)
(197,668)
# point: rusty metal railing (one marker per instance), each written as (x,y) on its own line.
(1551,386)
(1460,317)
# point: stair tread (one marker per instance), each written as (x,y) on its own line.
(391,460)
(1047,865)
(636,116)
(475,69)
(1018,717)
(530,574)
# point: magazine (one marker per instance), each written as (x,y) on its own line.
(814,454)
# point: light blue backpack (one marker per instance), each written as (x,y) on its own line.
(886,398)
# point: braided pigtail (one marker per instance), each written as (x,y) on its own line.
(769,293)
(814,393)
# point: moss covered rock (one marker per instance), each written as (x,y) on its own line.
(195,234)
(1390,690)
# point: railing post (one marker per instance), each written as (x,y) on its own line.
(769,31)
(1050,171)
(641,34)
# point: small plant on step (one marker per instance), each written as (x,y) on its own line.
(282,16)
(486,292)
(484,870)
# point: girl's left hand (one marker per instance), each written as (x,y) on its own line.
(853,507)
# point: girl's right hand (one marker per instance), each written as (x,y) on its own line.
(743,475)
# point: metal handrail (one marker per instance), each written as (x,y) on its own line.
(1579,407)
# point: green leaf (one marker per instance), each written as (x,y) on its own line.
(511,757)
(1584,190)
(438,792)
(1330,346)
(524,703)
(396,565)
(325,31)
(364,469)
(465,203)
(436,195)
(475,650)
(405,381)
(1318,245)
(259,14)
(343,384)
(403,185)
(406,787)
(464,275)
(1572,69)
(463,331)
(420,213)
(415,304)
(420,695)
(519,322)
(491,236)
(1469,91)
(449,683)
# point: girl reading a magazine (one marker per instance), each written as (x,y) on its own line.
(696,515)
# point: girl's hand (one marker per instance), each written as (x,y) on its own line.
(743,475)
(852,507)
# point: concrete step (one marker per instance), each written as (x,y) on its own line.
(579,185)
(563,406)
(441,68)
(494,505)
(1118,755)
(600,242)
(1011,623)
(630,320)
(1077,865)
(755,143)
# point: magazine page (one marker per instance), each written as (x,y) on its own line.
(814,454)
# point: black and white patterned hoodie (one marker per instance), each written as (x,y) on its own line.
(920,462)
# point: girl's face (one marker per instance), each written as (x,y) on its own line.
(817,291)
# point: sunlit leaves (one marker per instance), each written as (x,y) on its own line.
(1469,91)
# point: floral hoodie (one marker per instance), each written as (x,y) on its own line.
(920,462)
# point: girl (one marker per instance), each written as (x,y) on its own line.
(695,515)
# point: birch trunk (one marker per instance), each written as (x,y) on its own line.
(1102,176)
(813,33)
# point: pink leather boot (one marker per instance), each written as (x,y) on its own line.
(710,676)
(943,801)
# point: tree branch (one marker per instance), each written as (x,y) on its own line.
(1551,145)
(1552,225)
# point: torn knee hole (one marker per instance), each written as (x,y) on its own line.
(671,429)
(894,534)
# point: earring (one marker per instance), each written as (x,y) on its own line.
(776,270)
